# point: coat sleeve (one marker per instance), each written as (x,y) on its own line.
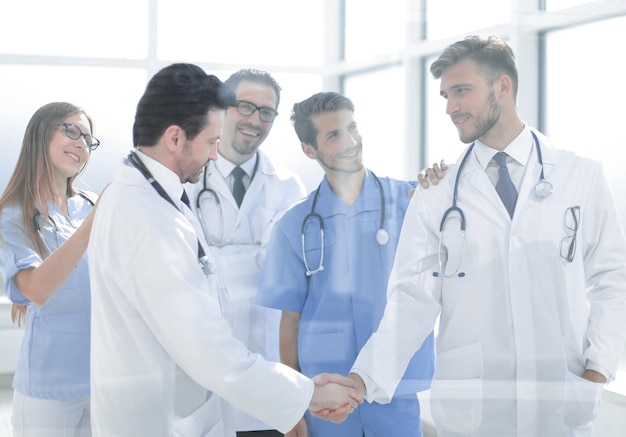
(411,310)
(604,252)
(180,312)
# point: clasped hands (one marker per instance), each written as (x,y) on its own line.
(336,396)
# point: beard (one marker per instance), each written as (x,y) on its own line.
(484,125)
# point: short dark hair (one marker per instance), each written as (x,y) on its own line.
(493,56)
(256,76)
(179,94)
(316,104)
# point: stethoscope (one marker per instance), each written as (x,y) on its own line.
(220,241)
(134,160)
(55,229)
(382,236)
(543,189)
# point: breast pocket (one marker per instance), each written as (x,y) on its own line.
(557,231)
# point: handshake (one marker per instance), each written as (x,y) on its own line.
(336,396)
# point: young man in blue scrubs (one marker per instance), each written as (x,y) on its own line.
(327,267)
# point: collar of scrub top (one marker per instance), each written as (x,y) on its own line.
(170,183)
(368,199)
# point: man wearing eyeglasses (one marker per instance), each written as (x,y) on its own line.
(520,255)
(238,199)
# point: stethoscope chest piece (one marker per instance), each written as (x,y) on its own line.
(543,189)
(382,237)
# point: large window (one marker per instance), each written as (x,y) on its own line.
(378,98)
(75,28)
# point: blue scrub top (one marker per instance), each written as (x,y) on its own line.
(342,305)
(53,361)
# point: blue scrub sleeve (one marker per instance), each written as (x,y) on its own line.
(283,283)
(15,253)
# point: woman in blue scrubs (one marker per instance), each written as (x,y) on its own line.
(44,230)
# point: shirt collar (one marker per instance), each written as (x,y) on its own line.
(166,177)
(519,149)
(224,166)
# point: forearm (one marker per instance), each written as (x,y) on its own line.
(289,327)
(39,283)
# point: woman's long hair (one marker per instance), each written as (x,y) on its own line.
(31,184)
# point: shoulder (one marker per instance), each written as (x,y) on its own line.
(291,221)
(277,171)
(12,212)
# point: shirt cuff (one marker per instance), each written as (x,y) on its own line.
(597,368)
(371,388)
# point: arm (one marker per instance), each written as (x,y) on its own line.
(39,283)
(289,326)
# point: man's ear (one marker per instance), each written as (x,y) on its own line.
(504,85)
(309,150)
(174,137)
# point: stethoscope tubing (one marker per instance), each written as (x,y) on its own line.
(207,190)
(134,160)
(382,236)
(543,189)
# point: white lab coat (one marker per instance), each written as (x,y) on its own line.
(239,252)
(158,338)
(517,331)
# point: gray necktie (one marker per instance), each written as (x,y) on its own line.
(238,188)
(505,188)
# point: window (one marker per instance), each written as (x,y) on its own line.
(458,17)
(112,28)
(281,32)
(374,28)
(378,98)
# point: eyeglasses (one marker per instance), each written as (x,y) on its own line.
(568,243)
(248,108)
(73,132)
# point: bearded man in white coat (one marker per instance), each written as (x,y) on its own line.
(161,350)
(529,285)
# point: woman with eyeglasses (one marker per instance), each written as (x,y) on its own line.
(44,230)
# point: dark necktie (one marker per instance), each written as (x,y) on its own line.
(505,188)
(238,188)
(185,199)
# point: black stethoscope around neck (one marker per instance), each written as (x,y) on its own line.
(136,162)
(219,240)
(382,236)
(543,189)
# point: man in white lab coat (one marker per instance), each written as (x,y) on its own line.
(238,230)
(159,341)
(531,298)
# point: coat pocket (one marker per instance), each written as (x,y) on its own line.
(206,421)
(582,400)
(456,391)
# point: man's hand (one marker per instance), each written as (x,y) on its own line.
(434,173)
(335,397)
(593,376)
